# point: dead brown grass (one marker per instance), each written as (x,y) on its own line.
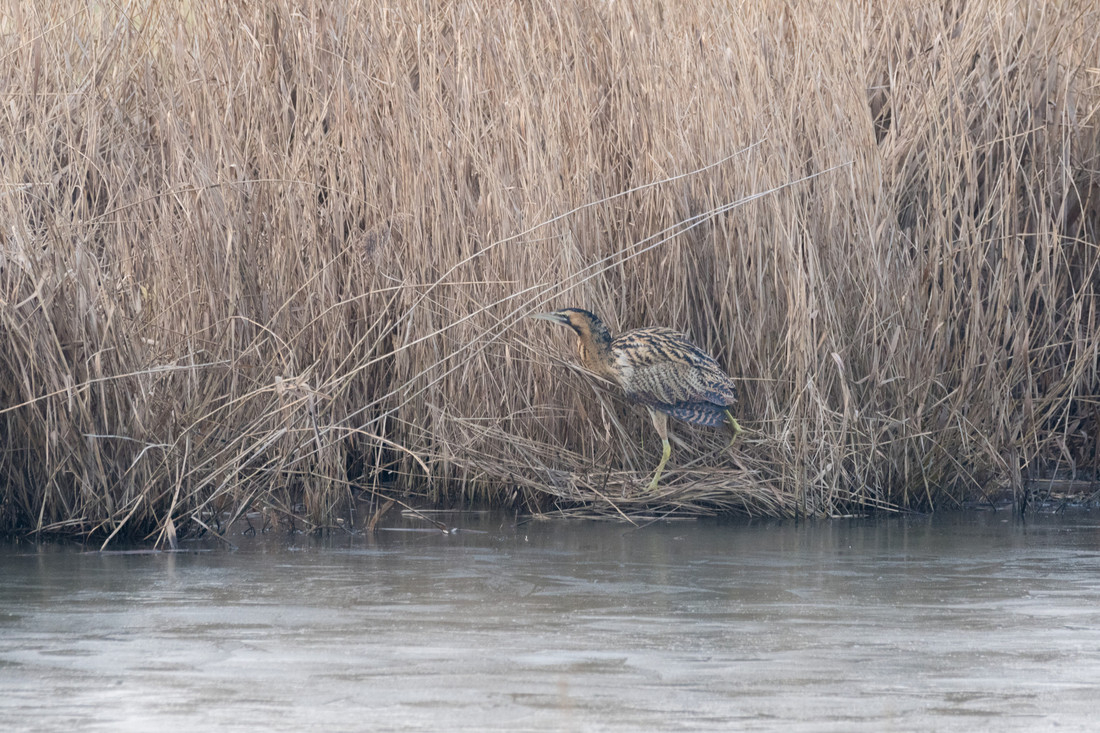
(258,254)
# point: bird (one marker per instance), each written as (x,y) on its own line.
(657,367)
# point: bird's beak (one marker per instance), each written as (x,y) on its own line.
(552,317)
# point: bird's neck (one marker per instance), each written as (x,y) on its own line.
(594,348)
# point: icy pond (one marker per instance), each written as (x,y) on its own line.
(975,621)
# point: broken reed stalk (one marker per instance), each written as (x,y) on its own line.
(263,257)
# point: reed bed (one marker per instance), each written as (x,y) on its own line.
(267,256)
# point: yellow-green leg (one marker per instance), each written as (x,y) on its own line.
(735,427)
(660,421)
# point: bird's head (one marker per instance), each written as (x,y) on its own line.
(593,338)
(584,323)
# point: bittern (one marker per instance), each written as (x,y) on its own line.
(658,367)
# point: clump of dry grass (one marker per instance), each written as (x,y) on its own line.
(261,254)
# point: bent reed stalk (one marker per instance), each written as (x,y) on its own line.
(266,258)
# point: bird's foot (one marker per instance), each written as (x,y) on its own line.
(666,451)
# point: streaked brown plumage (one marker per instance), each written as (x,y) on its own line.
(658,367)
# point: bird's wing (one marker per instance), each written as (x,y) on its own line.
(662,367)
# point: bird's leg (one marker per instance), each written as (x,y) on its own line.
(660,421)
(734,427)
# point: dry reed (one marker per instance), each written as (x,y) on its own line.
(258,255)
